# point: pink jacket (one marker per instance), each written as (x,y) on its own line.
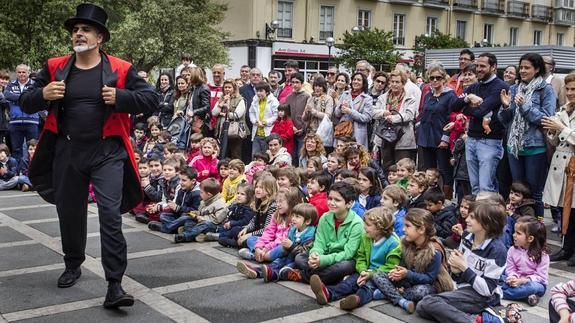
(519,265)
(273,235)
(202,163)
(559,295)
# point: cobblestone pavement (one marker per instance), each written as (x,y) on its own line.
(183,283)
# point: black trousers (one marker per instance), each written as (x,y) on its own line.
(76,165)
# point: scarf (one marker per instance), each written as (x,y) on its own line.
(394,102)
(519,126)
(354,94)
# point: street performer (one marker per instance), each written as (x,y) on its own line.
(89,95)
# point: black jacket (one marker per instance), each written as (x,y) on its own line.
(200,101)
(419,202)
(444,219)
(187,200)
(166,111)
(239,215)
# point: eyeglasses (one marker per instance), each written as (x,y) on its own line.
(436,78)
(330,73)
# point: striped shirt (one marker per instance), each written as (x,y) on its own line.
(559,295)
(486,264)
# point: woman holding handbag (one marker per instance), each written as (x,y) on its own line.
(319,107)
(198,111)
(558,191)
(431,138)
(353,112)
(396,109)
(231,107)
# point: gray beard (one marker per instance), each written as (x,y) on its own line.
(83,48)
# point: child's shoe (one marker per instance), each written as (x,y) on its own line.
(142,218)
(248,270)
(25,188)
(349,303)
(408,306)
(269,274)
(246,253)
(288,273)
(212,236)
(179,238)
(489,316)
(155,226)
(378,295)
(201,237)
(181,229)
(319,289)
(533,299)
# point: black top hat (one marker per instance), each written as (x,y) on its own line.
(92,15)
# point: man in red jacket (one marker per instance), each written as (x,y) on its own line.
(89,96)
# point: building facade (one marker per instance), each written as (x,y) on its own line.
(304,25)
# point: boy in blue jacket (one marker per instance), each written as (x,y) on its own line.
(187,199)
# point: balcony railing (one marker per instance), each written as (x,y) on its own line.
(564,4)
(434,3)
(465,4)
(518,9)
(495,6)
(541,13)
(564,17)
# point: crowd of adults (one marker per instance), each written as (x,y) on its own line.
(506,125)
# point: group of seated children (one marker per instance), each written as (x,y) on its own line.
(14,174)
(350,234)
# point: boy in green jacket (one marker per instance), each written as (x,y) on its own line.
(337,238)
(379,251)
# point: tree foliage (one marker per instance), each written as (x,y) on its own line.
(438,40)
(149,33)
(373,45)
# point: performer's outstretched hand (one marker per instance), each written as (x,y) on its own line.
(54,91)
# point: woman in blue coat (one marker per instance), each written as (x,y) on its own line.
(521,112)
(431,138)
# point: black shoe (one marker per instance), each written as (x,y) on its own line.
(142,218)
(69,277)
(560,255)
(117,297)
(155,226)
(571,261)
(179,238)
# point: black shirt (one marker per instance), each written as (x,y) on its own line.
(84,108)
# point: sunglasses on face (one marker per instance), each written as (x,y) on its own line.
(436,78)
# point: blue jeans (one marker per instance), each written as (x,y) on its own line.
(298,143)
(521,292)
(192,230)
(22,179)
(482,156)
(171,222)
(349,286)
(533,170)
(20,133)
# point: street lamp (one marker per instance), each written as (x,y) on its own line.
(329,41)
(271,28)
(356,29)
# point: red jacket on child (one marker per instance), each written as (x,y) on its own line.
(284,128)
(205,163)
(319,200)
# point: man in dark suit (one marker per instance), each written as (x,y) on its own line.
(248,92)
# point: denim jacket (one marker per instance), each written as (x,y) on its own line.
(533,113)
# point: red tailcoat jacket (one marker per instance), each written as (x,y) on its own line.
(133,95)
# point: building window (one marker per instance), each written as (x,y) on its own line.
(399,30)
(537,37)
(431,25)
(285,18)
(560,39)
(513,32)
(461,29)
(326,22)
(488,33)
(364,18)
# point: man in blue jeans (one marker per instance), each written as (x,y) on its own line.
(23,126)
(481,101)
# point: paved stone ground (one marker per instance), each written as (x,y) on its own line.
(182,283)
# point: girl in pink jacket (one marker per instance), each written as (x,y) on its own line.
(272,243)
(206,164)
